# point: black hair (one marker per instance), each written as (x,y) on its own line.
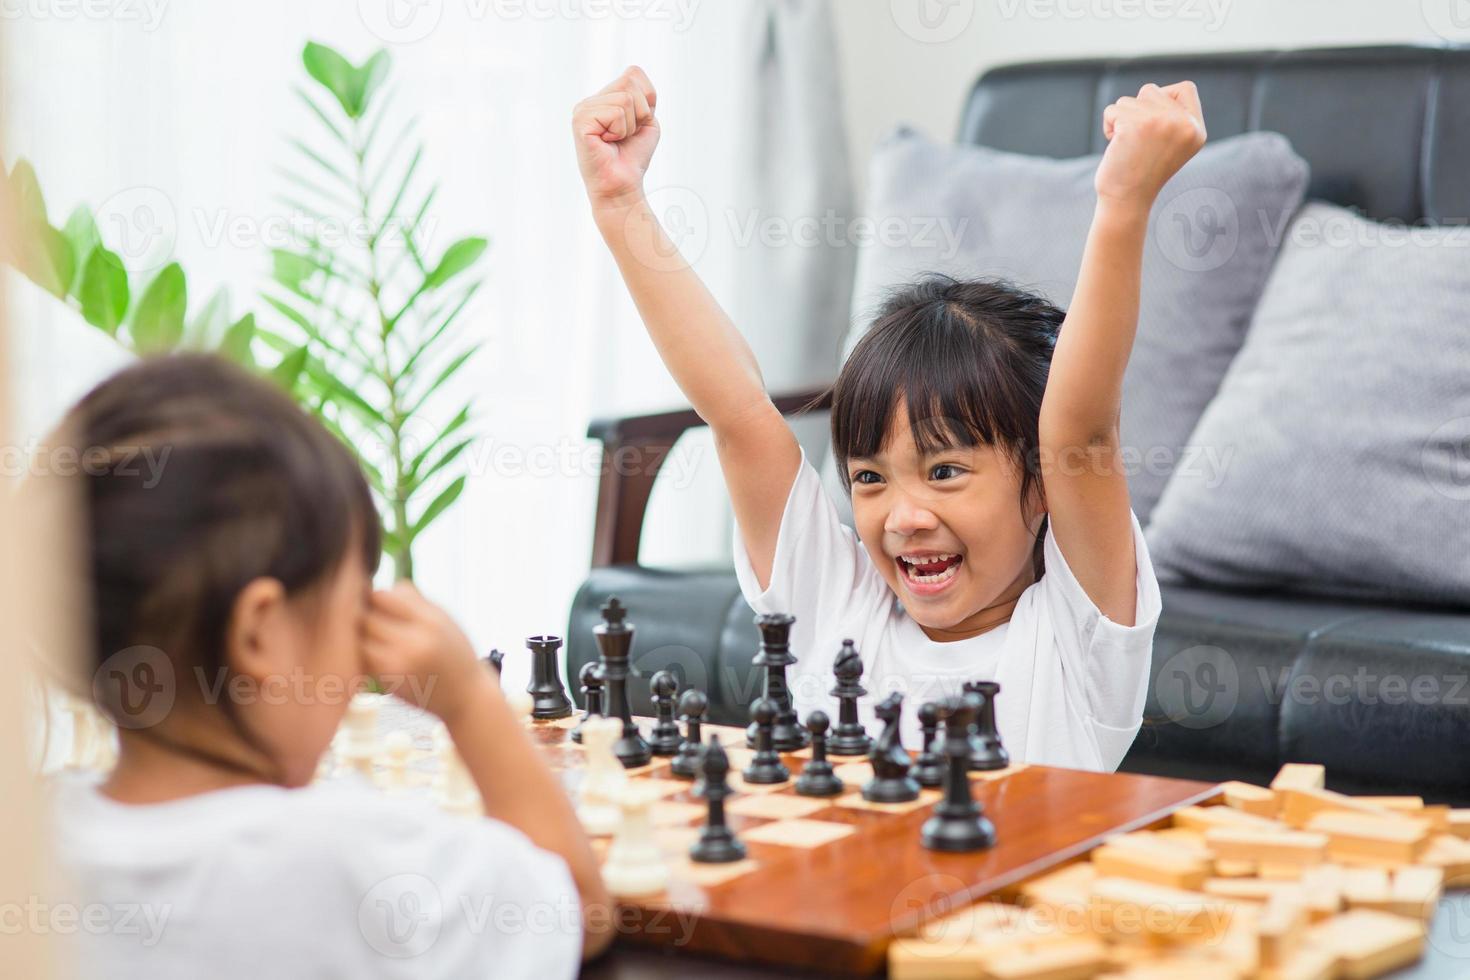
(198,478)
(969,361)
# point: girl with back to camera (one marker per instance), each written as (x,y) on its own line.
(976,428)
(240,575)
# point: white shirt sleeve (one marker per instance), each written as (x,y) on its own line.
(1106,664)
(821,574)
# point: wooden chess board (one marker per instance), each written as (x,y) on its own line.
(829,884)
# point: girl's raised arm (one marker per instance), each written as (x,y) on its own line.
(616,132)
(1150,138)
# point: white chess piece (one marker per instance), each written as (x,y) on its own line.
(81,733)
(635,866)
(397,747)
(360,734)
(454,787)
(603,779)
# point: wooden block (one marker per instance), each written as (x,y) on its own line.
(1306,963)
(1398,804)
(1277,871)
(1235,869)
(1253,799)
(1299,806)
(920,959)
(1156,862)
(1254,890)
(1066,888)
(1174,967)
(1300,775)
(1322,887)
(1459,821)
(1369,944)
(776,806)
(1076,959)
(1438,816)
(1267,847)
(798,833)
(1181,835)
(1415,892)
(1390,839)
(983,918)
(1366,888)
(1279,930)
(1451,854)
(1124,909)
(1204,818)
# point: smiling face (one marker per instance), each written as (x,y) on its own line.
(946,529)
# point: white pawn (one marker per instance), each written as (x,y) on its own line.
(360,734)
(397,747)
(603,780)
(454,787)
(635,866)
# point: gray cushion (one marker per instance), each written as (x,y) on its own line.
(1346,420)
(972,211)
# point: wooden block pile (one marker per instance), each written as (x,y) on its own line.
(1290,882)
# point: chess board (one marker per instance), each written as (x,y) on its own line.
(828,884)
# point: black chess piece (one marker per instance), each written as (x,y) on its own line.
(496,659)
(692,705)
(614,639)
(817,777)
(892,782)
(766,765)
(717,843)
(774,657)
(849,738)
(548,698)
(664,737)
(958,822)
(986,751)
(590,677)
(929,767)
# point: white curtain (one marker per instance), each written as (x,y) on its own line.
(186,107)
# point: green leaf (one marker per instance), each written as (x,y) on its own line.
(158,322)
(293,270)
(322,116)
(457,258)
(444,460)
(30,206)
(104,290)
(288,371)
(236,342)
(437,506)
(81,233)
(438,331)
(444,433)
(369,77)
(444,376)
(336,74)
(46,259)
(321,161)
(345,396)
(413,164)
(210,323)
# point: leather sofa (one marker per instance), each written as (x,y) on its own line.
(1243,682)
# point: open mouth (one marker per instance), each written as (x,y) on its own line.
(929,570)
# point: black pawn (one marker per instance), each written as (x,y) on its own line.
(496,660)
(717,843)
(548,698)
(664,738)
(892,781)
(591,678)
(986,751)
(929,766)
(958,823)
(692,706)
(849,738)
(817,777)
(766,765)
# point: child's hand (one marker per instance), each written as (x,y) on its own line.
(1149,138)
(616,133)
(417,652)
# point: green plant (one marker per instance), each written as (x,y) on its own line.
(145,314)
(375,312)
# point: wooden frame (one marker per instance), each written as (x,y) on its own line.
(633,451)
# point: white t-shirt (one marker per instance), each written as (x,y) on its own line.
(1072,681)
(331,880)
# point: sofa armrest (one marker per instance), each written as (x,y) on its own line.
(633,451)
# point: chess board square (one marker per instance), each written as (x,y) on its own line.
(799,833)
(671,813)
(854,773)
(776,806)
(739,756)
(708,875)
(739,785)
(855,801)
(658,762)
(728,735)
(571,721)
(675,840)
(659,788)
